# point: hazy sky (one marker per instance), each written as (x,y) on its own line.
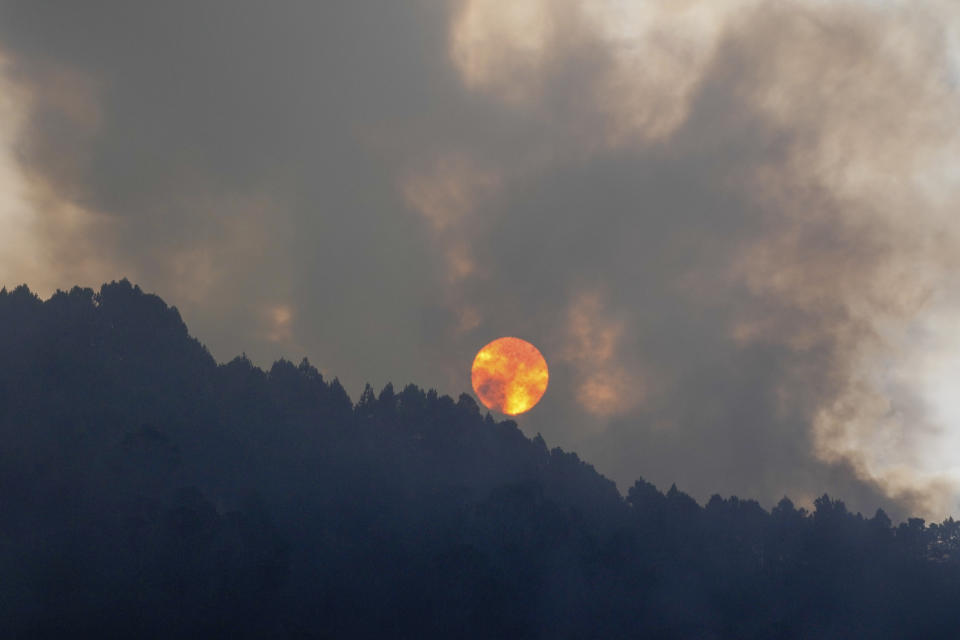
(729,226)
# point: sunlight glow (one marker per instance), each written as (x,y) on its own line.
(509,375)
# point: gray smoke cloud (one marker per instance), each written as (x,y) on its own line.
(727,225)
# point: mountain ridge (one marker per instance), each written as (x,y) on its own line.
(178,496)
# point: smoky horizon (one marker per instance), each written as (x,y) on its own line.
(730,228)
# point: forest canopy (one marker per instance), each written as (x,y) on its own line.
(148,491)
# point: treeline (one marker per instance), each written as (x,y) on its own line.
(146,491)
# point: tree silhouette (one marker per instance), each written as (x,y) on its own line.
(147,491)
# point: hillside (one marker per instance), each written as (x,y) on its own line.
(147,491)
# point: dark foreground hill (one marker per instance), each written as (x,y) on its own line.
(146,491)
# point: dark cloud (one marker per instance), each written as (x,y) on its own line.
(718,224)
(240,157)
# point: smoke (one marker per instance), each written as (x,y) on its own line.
(823,137)
(45,235)
(604,386)
(727,225)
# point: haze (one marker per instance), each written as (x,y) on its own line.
(729,226)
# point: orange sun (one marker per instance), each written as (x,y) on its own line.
(509,375)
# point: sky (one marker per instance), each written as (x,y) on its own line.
(728,226)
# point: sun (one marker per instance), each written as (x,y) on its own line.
(509,375)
